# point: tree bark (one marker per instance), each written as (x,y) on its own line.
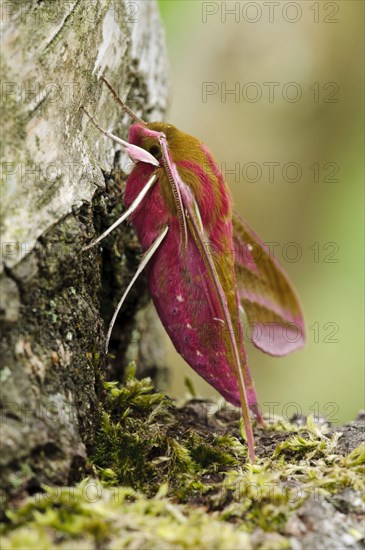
(62,185)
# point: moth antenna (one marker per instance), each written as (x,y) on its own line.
(241,372)
(173,177)
(145,259)
(120,102)
(137,201)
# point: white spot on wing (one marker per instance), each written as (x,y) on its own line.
(179,298)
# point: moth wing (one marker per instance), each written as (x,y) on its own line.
(190,208)
(270,303)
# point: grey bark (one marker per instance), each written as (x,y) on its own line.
(62,183)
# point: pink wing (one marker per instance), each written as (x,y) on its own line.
(271,305)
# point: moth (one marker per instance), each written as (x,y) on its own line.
(208,273)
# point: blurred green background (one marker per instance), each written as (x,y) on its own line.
(319,47)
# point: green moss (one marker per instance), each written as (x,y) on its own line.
(136,446)
(160,482)
(94,516)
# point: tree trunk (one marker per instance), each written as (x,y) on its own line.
(62,185)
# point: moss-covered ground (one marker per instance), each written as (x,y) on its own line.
(168,477)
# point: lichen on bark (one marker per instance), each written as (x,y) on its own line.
(62,181)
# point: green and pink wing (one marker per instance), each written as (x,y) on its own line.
(273,311)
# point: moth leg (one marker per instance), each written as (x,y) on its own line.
(145,259)
(137,201)
(120,102)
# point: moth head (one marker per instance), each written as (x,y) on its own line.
(148,136)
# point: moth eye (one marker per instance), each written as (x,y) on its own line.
(155,151)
